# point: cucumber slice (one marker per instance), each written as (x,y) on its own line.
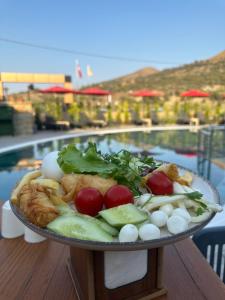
(66,210)
(108,228)
(80,228)
(123,214)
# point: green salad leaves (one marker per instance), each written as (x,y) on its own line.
(91,161)
(123,166)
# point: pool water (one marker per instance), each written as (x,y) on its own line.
(178,146)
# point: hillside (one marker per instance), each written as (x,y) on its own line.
(124,82)
(197,75)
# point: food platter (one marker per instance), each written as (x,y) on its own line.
(198,183)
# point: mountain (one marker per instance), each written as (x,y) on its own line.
(203,74)
(218,58)
(127,80)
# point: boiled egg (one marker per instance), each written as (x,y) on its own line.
(50,168)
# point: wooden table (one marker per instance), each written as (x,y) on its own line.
(38,271)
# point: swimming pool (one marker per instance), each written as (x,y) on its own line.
(178,146)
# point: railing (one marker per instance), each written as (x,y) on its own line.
(211,146)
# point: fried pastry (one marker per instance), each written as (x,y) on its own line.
(172,173)
(26,179)
(35,203)
(73,183)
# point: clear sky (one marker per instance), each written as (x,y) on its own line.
(173,31)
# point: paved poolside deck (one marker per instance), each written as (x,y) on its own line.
(6,141)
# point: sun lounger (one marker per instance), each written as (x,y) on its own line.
(86,121)
(51,124)
(135,119)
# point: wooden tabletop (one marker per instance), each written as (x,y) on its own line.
(38,271)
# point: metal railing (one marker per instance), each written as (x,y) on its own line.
(211,146)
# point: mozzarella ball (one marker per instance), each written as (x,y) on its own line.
(167,208)
(128,233)
(159,218)
(50,168)
(149,232)
(182,213)
(176,224)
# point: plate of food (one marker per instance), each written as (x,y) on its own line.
(118,201)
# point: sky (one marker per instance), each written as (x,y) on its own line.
(166,33)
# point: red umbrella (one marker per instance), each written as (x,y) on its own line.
(194,93)
(95,91)
(57,90)
(147,93)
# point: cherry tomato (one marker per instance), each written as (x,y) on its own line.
(160,184)
(89,201)
(118,195)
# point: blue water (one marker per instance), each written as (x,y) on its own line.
(172,146)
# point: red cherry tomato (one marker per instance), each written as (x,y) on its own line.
(160,184)
(89,201)
(118,195)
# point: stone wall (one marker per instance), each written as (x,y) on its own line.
(23,117)
(23,123)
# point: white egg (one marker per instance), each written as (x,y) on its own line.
(50,168)
(176,224)
(167,208)
(182,213)
(149,232)
(128,233)
(159,218)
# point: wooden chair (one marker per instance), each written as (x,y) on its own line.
(211,243)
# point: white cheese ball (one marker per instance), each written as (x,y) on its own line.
(182,213)
(167,208)
(50,168)
(128,233)
(159,218)
(149,232)
(176,224)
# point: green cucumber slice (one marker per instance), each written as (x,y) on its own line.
(66,210)
(108,228)
(79,227)
(123,214)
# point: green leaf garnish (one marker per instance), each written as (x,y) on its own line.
(72,160)
(194,195)
(199,211)
(123,166)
